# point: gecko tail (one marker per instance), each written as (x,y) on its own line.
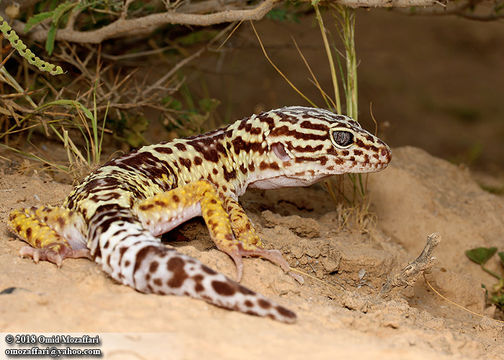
(133,256)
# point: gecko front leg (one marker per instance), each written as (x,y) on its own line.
(229,227)
(249,243)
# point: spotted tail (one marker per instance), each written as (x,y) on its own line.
(133,256)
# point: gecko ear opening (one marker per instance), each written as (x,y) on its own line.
(280,152)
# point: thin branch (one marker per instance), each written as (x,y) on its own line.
(131,27)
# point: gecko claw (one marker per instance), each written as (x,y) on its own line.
(237,259)
(52,256)
(275,256)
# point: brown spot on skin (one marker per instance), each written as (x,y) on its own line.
(213,201)
(29,233)
(224,187)
(263,166)
(285,312)
(198,279)
(357,152)
(221,148)
(176,266)
(46,218)
(164,150)
(264,304)
(198,160)
(127,263)
(160,203)
(312,126)
(142,254)
(175,198)
(157,282)
(146,207)
(181,147)
(185,162)
(215,171)
(282,130)
(266,119)
(147,277)
(251,167)
(18,228)
(223,288)
(210,213)
(153,266)
(229,175)
(249,303)
(243,123)
(345,152)
(208,270)
(106,245)
(255,131)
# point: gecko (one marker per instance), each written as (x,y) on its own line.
(117,214)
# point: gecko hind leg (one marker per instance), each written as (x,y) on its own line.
(53,233)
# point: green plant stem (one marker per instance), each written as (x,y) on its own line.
(491,273)
(348,30)
(329,57)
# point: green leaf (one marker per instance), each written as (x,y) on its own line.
(51,36)
(62,9)
(277,14)
(36,19)
(501,256)
(481,255)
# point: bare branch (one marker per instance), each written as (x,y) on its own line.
(191,16)
(134,27)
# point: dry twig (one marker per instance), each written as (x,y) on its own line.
(409,274)
(188,14)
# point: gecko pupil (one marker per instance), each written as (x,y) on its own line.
(343,138)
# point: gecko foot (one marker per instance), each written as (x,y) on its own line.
(51,255)
(275,256)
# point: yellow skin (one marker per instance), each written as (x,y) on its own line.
(117,213)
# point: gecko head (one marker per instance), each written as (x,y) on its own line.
(309,144)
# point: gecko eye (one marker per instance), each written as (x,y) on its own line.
(342,139)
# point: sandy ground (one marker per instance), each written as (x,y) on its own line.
(340,313)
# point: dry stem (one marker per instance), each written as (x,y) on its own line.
(409,274)
(123,26)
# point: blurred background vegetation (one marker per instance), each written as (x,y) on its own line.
(137,72)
